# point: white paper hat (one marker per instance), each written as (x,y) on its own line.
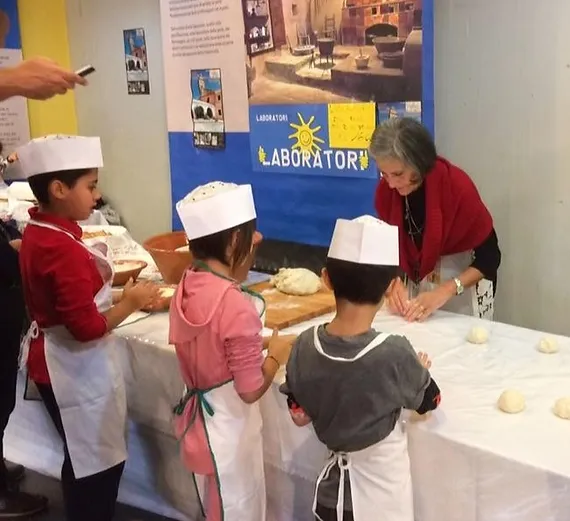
(215,207)
(365,240)
(56,153)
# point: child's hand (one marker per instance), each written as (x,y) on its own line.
(424,360)
(141,294)
(280,346)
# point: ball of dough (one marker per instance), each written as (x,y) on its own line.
(548,345)
(562,408)
(511,401)
(478,335)
(296,281)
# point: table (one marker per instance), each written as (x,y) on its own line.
(469,461)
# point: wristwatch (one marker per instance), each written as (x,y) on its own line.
(459,289)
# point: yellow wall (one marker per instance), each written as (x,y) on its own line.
(43,25)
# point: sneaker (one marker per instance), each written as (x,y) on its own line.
(16,473)
(19,504)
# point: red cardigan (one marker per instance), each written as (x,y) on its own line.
(456,220)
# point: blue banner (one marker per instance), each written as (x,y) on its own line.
(296,139)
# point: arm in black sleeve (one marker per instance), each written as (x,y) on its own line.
(9,265)
(431,400)
(488,257)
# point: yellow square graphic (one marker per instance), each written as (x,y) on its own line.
(351,125)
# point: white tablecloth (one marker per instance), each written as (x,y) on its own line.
(470,462)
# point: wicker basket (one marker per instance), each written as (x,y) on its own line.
(122,277)
(170,263)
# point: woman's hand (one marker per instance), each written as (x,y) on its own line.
(426,303)
(397,297)
(16,244)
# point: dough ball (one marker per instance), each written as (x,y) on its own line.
(511,401)
(296,281)
(548,345)
(478,335)
(562,408)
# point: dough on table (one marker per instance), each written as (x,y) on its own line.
(296,281)
(548,345)
(478,335)
(562,408)
(511,401)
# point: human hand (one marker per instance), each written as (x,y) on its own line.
(426,303)
(140,295)
(42,78)
(397,297)
(16,244)
(424,360)
(279,347)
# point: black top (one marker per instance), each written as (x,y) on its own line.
(9,266)
(486,256)
(12,307)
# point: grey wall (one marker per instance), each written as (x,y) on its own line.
(503,114)
(136,177)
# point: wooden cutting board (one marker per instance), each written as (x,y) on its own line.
(284,311)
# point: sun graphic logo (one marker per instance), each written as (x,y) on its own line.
(306,139)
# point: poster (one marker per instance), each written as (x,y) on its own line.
(136,61)
(315,139)
(14,123)
(207,108)
(302,86)
(408,109)
(307,52)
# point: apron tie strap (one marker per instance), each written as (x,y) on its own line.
(341,460)
(180,407)
(32,333)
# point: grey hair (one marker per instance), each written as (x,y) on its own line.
(405,140)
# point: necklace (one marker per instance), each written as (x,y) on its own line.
(414,231)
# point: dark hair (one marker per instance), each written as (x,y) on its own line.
(214,246)
(40,183)
(406,140)
(1,148)
(359,283)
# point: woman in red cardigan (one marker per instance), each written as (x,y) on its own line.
(449,251)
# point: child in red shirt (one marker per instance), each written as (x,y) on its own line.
(73,360)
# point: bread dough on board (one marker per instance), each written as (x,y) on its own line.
(478,335)
(548,345)
(296,281)
(562,408)
(511,401)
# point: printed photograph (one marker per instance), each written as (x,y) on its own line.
(410,109)
(136,61)
(326,51)
(207,110)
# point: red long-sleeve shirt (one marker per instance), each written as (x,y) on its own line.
(60,281)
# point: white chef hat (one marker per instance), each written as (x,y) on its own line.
(57,153)
(365,240)
(215,207)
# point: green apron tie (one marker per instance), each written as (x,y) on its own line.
(201,402)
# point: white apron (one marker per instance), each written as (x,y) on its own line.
(477,301)
(233,431)
(380,477)
(87,382)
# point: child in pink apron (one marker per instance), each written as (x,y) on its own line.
(216,326)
